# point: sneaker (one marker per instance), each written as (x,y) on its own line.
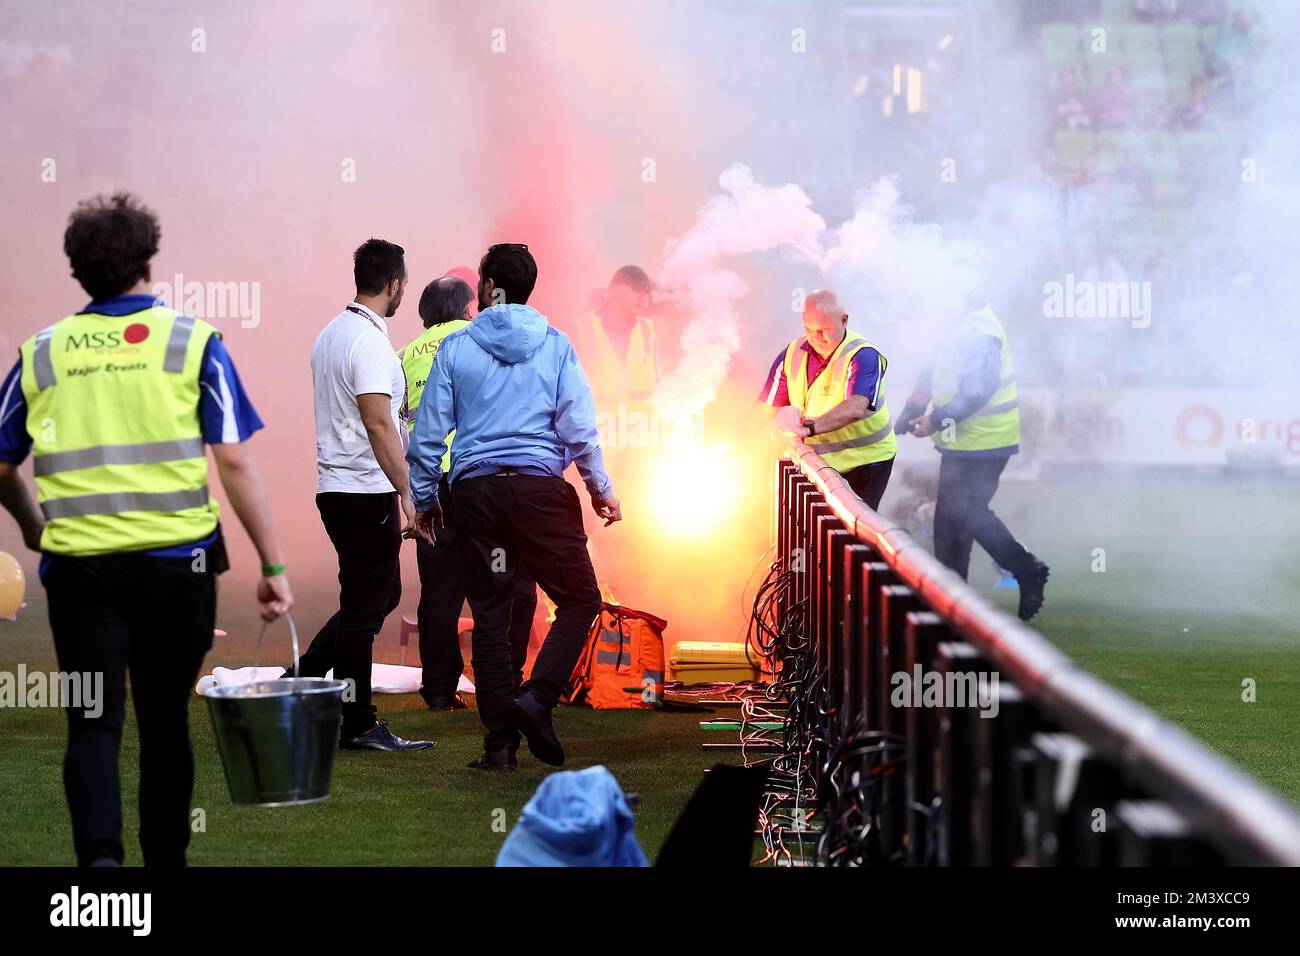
(1032,584)
(533,720)
(379,737)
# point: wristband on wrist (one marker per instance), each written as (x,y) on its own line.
(811,425)
(272,570)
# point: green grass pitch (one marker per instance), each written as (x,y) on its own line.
(1199,592)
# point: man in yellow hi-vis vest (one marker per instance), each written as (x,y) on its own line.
(974,420)
(617,342)
(834,379)
(444,310)
(117,405)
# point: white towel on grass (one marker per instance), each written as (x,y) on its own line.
(384,678)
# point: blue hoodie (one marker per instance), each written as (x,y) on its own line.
(512,388)
(576,818)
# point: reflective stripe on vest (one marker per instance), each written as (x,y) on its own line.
(858,443)
(879,434)
(54,462)
(997,409)
(994,425)
(113,414)
(178,343)
(43,365)
(118,502)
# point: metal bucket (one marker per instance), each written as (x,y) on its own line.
(277,738)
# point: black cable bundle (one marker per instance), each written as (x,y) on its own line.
(779,631)
(846,788)
(856,771)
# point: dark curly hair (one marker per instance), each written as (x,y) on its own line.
(109,242)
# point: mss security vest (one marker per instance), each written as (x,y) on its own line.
(417,359)
(997,423)
(616,377)
(112,409)
(863,442)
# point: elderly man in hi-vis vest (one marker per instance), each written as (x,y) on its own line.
(834,379)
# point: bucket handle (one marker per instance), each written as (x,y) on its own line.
(293,635)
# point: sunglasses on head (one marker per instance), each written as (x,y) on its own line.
(522,246)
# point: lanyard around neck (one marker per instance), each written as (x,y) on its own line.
(365,315)
(405,410)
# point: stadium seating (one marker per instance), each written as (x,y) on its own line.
(1061,50)
(1184,59)
(1116,11)
(1073,146)
(1140,42)
(1158,62)
(1097,65)
(1112,151)
(1154,57)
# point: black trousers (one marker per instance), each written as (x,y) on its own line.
(869,481)
(502,521)
(442,592)
(366,531)
(152,618)
(962,515)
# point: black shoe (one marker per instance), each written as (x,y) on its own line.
(101,861)
(497,760)
(533,719)
(444,702)
(1032,584)
(379,737)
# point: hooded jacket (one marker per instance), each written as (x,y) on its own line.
(576,818)
(513,391)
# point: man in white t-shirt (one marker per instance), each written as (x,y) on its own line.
(362,490)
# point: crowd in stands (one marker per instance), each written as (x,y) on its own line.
(1148,103)
(1213,68)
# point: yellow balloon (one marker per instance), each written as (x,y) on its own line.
(12,584)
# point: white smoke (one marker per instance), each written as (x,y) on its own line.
(747,217)
(904,279)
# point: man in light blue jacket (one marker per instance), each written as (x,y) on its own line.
(521,406)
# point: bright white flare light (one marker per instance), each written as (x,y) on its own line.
(694,491)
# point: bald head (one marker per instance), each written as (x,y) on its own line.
(445,299)
(824,321)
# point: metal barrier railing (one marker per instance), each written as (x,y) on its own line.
(1046,764)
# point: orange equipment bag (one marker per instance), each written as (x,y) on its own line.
(622,666)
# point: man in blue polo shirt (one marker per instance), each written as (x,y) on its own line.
(116,404)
